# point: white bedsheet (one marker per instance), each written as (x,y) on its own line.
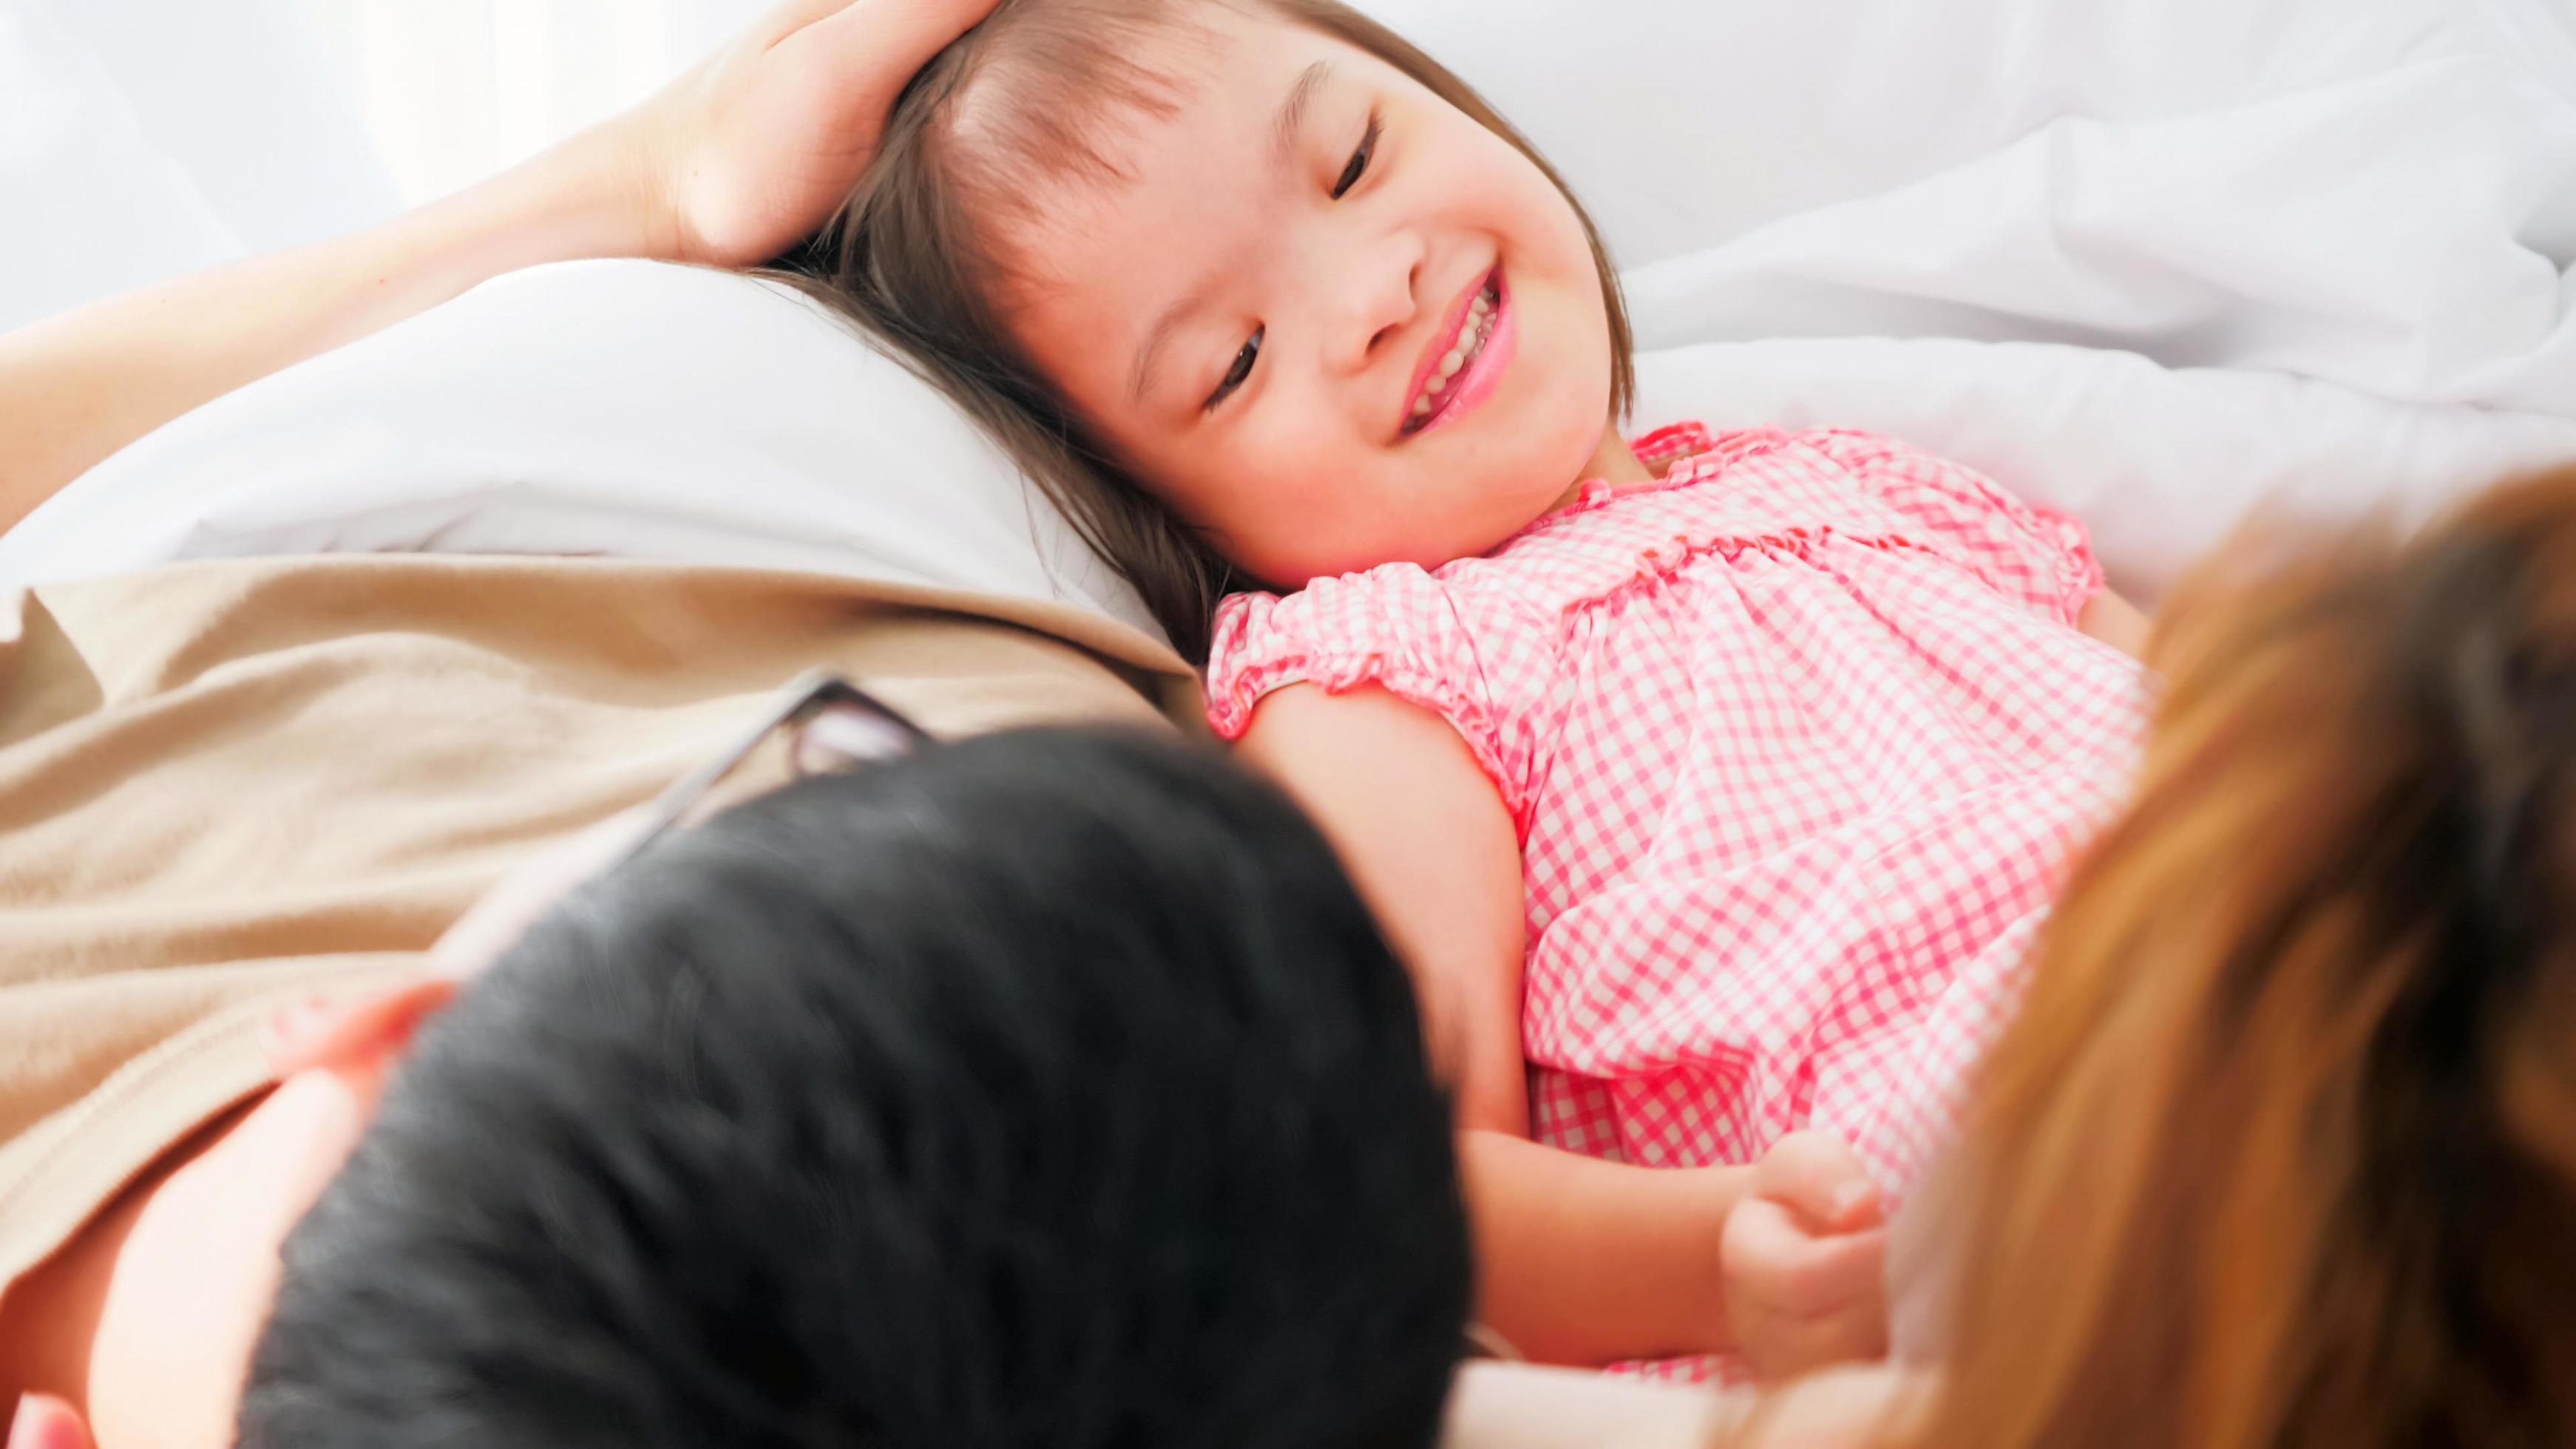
(2160,262)
(2375,192)
(2161,463)
(2407,234)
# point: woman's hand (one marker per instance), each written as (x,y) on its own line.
(759,144)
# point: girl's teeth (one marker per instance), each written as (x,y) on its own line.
(1480,313)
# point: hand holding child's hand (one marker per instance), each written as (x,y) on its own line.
(1805,1257)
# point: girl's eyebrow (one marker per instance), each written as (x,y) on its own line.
(1164,326)
(1292,112)
(1283,142)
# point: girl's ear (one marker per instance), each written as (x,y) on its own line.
(44,1422)
(356,1031)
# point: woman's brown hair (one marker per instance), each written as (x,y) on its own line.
(914,260)
(2282,1147)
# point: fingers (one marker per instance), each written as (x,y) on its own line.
(1783,1267)
(894,37)
(43,1422)
(852,62)
(1799,1300)
(1790,1347)
(789,16)
(1816,1174)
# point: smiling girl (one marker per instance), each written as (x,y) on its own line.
(1711,786)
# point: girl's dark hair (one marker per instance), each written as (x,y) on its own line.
(2282,1148)
(913,259)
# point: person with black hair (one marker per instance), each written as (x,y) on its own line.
(1053,1087)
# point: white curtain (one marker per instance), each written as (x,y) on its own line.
(451,90)
(144,137)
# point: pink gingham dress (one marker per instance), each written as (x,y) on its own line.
(1797,741)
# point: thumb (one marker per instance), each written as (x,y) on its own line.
(45,1422)
(786,18)
(1822,1180)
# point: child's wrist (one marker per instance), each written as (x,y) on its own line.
(1717,1191)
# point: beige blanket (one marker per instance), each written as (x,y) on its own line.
(224,784)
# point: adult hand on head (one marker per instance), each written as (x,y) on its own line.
(730,164)
(758,145)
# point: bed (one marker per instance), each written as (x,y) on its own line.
(2164,264)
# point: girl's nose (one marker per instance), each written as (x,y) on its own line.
(1379,293)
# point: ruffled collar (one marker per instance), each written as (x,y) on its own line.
(1678,455)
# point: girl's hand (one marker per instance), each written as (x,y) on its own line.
(1805,1259)
(46,1423)
(743,156)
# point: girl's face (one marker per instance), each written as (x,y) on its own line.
(1330,319)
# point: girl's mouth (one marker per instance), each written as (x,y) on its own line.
(1467,361)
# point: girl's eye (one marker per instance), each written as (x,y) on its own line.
(1352,173)
(1241,369)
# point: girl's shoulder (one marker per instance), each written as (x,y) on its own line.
(1770,489)
(1471,636)
(1718,496)
(1710,489)
(1603,535)
(1763,480)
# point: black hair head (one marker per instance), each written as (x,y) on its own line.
(1052,1088)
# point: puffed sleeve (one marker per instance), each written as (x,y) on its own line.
(1396,627)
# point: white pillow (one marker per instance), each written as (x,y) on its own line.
(622,408)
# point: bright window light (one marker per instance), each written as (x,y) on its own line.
(453,90)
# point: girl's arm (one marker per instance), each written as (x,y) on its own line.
(1579,1261)
(2117,622)
(1433,851)
(729,165)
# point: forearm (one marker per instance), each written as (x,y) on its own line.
(1586,1262)
(2115,621)
(77,387)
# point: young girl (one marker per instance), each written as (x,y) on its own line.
(1711,786)
(2280,1149)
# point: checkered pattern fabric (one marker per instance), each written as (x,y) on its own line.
(1797,740)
